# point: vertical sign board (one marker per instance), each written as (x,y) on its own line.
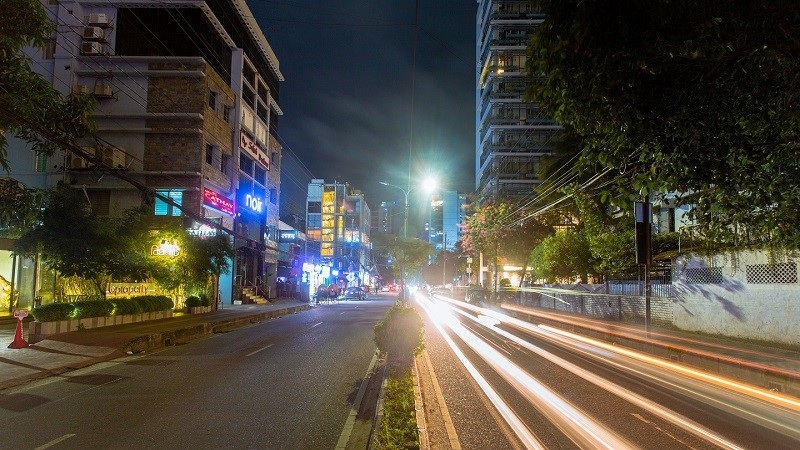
(643,211)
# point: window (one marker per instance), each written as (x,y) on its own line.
(314,207)
(99,201)
(49,49)
(314,221)
(225,163)
(41,162)
(274,158)
(162,208)
(209,154)
(226,113)
(246,164)
(260,175)
(212,100)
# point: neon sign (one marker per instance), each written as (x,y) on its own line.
(254,203)
(218,202)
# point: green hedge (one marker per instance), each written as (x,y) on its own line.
(153,303)
(53,312)
(123,306)
(83,309)
(192,301)
(92,308)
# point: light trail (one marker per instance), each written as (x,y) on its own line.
(700,385)
(576,425)
(648,405)
(522,432)
(641,335)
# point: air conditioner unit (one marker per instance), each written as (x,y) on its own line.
(75,162)
(98,19)
(83,89)
(91,48)
(113,157)
(93,34)
(103,90)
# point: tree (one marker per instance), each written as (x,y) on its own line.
(19,207)
(28,102)
(408,255)
(696,97)
(564,255)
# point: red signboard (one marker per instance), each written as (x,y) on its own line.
(252,148)
(218,202)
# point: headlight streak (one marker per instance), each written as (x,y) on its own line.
(523,433)
(639,335)
(647,405)
(703,386)
(576,425)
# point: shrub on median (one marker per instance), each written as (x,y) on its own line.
(400,335)
(53,312)
(123,306)
(153,303)
(91,308)
(192,301)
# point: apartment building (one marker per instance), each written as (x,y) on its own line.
(512,135)
(187,106)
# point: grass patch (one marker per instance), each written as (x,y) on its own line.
(398,427)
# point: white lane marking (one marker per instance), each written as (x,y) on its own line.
(262,348)
(55,441)
(312,326)
(341,444)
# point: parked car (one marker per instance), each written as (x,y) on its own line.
(355,293)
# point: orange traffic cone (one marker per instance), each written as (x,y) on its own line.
(19,341)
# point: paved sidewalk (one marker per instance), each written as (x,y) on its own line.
(63,352)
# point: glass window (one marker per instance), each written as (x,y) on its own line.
(41,162)
(226,113)
(246,164)
(260,174)
(163,208)
(212,100)
(314,221)
(209,154)
(225,163)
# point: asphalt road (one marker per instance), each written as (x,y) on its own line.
(288,383)
(515,385)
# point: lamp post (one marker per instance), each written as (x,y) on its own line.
(405,205)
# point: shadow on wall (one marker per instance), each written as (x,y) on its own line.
(696,278)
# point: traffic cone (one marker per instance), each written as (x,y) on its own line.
(19,341)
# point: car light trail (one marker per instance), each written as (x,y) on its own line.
(576,425)
(528,439)
(695,383)
(639,335)
(648,405)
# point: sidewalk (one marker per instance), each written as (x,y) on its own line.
(69,351)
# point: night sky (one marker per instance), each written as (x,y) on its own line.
(348,94)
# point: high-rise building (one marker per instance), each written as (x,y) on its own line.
(338,233)
(512,134)
(187,107)
(446,218)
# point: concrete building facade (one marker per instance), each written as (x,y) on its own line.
(187,106)
(512,135)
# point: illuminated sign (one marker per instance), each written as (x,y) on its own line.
(218,202)
(287,235)
(202,231)
(166,248)
(253,148)
(253,203)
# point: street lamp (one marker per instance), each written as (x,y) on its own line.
(428,185)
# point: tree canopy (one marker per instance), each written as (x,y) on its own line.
(697,98)
(29,105)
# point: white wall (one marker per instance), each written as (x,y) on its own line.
(731,304)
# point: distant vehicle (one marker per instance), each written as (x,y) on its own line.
(355,293)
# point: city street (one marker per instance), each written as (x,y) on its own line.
(548,388)
(290,382)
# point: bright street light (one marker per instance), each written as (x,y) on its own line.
(428,185)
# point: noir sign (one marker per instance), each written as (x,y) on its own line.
(254,203)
